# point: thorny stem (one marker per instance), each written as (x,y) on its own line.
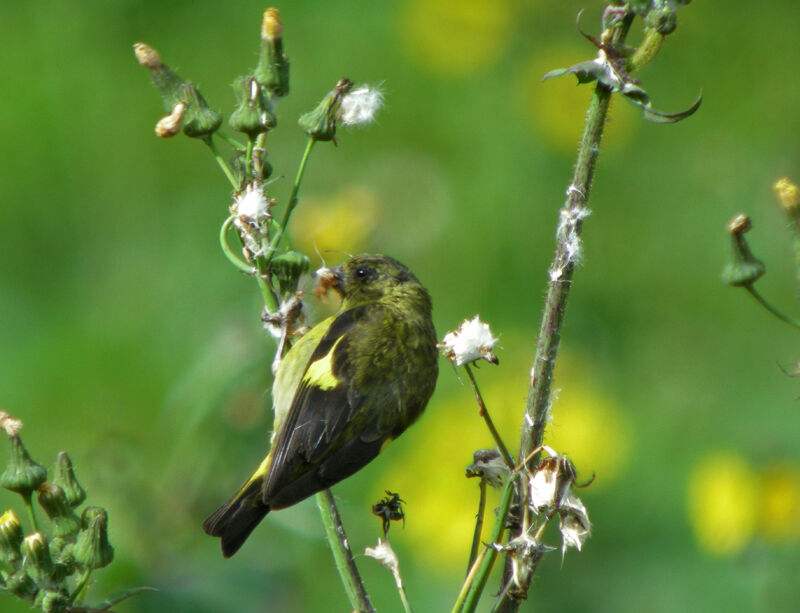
(785,318)
(559,284)
(343,556)
(292,203)
(484,412)
(476,537)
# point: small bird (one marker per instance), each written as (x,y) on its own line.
(346,389)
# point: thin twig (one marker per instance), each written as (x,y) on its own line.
(762,301)
(343,556)
(484,412)
(476,537)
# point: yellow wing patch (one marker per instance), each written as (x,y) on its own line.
(320,372)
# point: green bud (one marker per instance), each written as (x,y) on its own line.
(745,269)
(320,124)
(199,121)
(37,561)
(168,83)
(52,601)
(21,585)
(11,537)
(272,71)
(22,475)
(288,267)
(64,476)
(92,549)
(54,502)
(253,114)
(662,19)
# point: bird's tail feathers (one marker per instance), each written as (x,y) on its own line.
(236,519)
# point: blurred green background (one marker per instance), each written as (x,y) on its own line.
(127,339)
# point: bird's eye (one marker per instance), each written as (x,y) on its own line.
(361,272)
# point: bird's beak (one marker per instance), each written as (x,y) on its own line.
(327,279)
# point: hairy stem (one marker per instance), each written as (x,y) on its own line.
(561,272)
(334,530)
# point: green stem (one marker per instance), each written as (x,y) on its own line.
(476,537)
(229,252)
(560,282)
(82,583)
(647,50)
(215,152)
(785,318)
(403,598)
(485,568)
(462,594)
(31,511)
(292,203)
(334,530)
(484,412)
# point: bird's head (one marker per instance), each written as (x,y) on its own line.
(365,279)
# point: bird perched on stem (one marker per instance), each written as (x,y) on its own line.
(345,390)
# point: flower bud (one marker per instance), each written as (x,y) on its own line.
(11,537)
(788,196)
(52,601)
(320,124)
(22,475)
(92,549)
(21,585)
(199,121)
(54,502)
(170,125)
(253,114)
(168,83)
(64,477)
(662,19)
(272,71)
(37,561)
(288,267)
(745,269)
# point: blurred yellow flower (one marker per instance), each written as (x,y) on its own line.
(341,222)
(428,471)
(590,431)
(723,503)
(455,37)
(779,518)
(556,108)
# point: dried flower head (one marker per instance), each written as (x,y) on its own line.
(146,55)
(472,341)
(488,465)
(787,193)
(9,424)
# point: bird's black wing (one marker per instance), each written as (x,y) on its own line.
(329,433)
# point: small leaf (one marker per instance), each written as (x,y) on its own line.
(655,116)
(117,598)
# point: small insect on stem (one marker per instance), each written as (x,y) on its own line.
(389,509)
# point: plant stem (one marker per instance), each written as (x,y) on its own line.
(356,593)
(84,580)
(292,203)
(476,537)
(462,594)
(482,575)
(484,412)
(785,318)
(403,598)
(31,511)
(229,253)
(561,271)
(215,152)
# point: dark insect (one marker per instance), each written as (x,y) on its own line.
(390,509)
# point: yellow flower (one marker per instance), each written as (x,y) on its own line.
(455,37)
(341,222)
(779,518)
(723,503)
